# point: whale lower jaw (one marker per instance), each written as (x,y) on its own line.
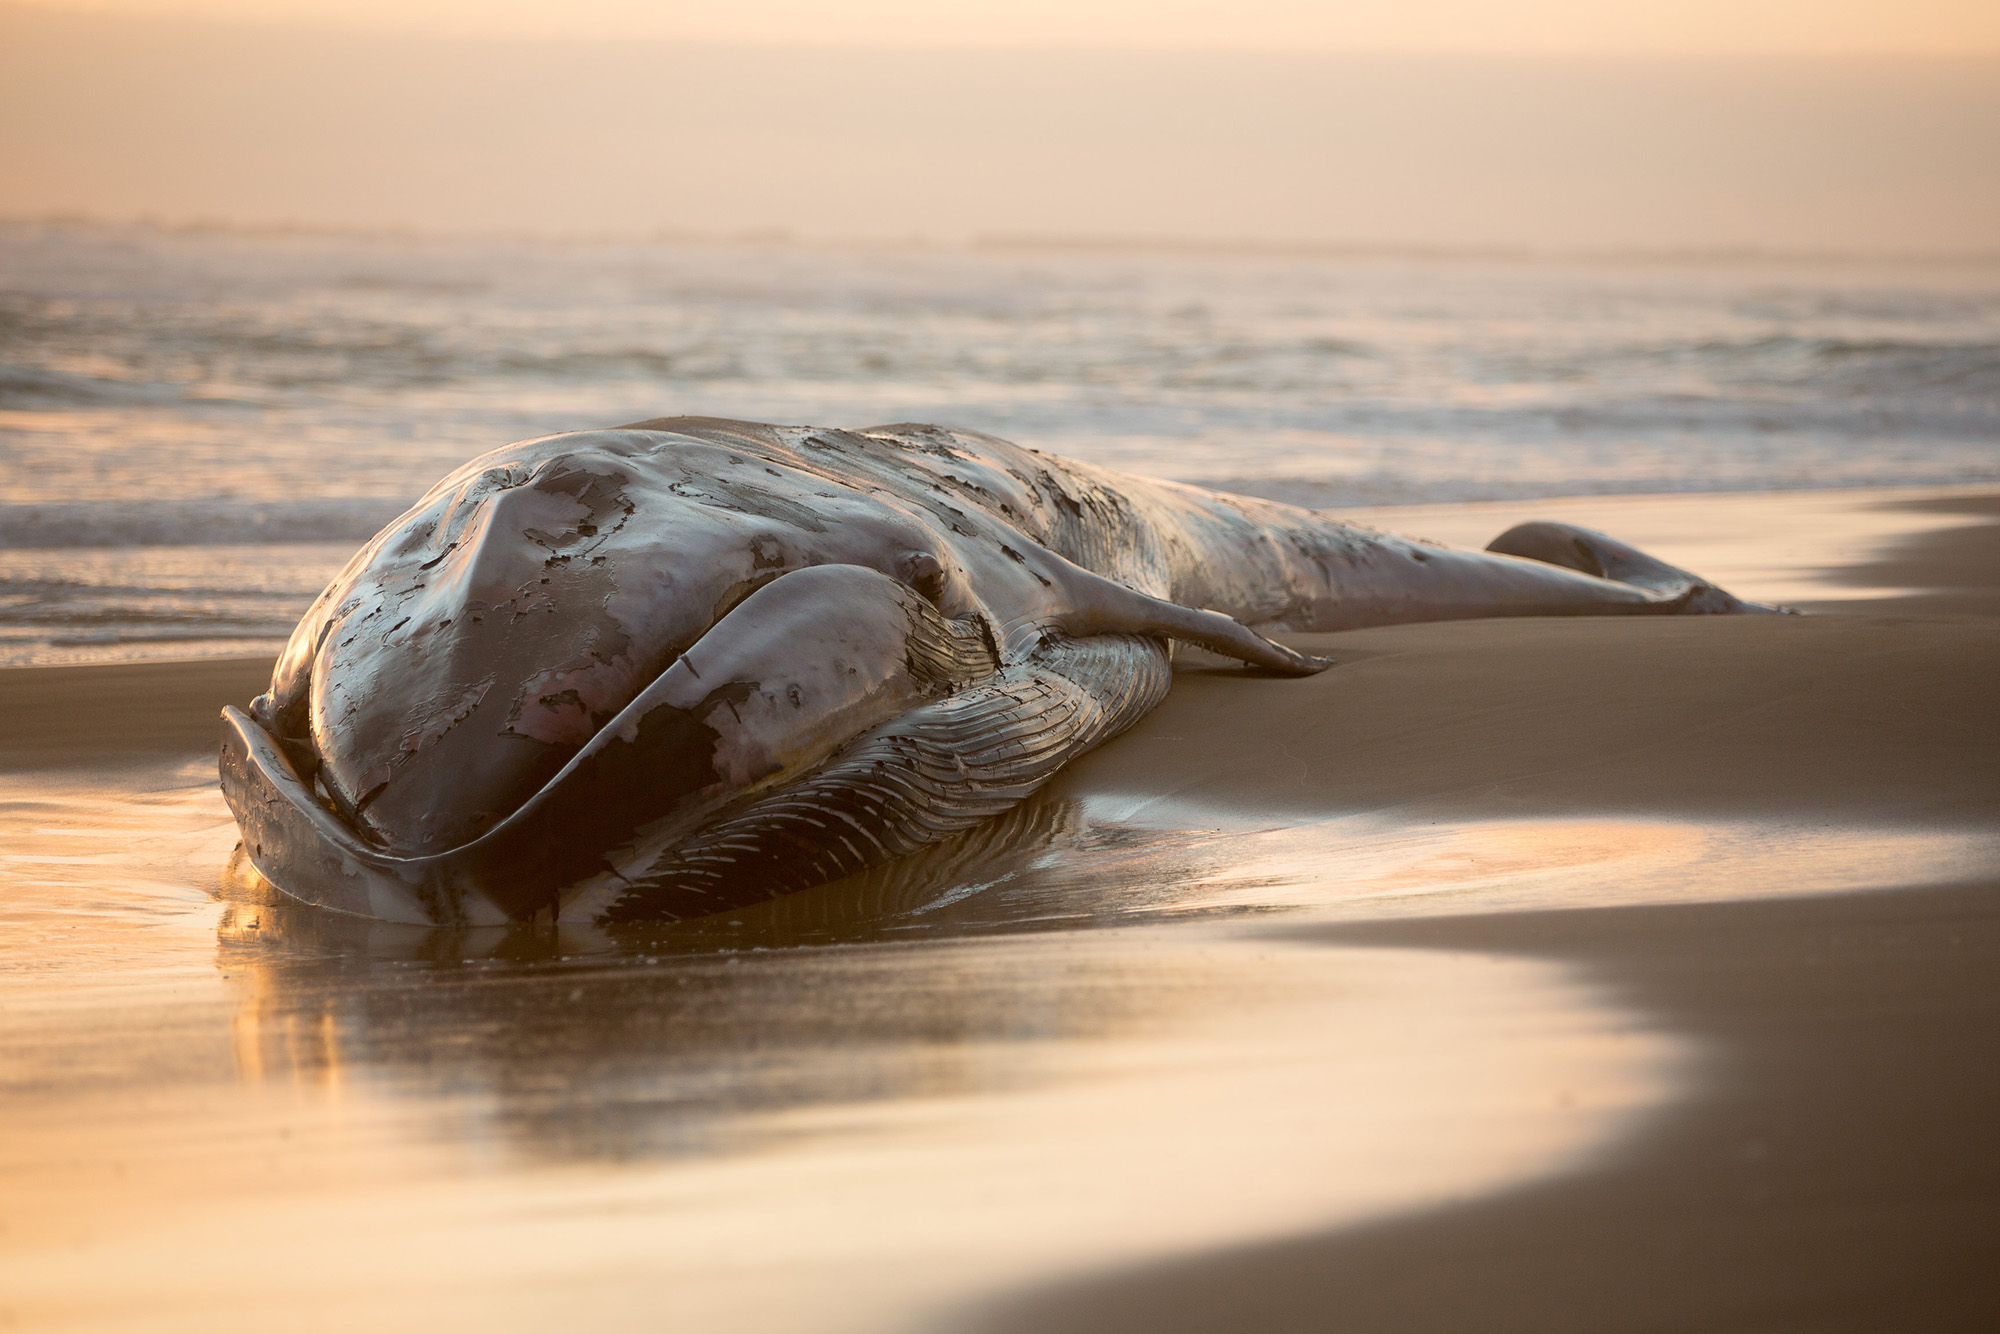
(302,848)
(928,773)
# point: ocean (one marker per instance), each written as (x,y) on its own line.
(198,426)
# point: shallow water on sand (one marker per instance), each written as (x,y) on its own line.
(1069,1041)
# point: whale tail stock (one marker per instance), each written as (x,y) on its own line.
(1590,552)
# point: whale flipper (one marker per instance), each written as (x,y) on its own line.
(915,780)
(1591,552)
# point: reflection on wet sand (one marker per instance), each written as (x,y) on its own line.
(909,1094)
(582,1046)
(594,1043)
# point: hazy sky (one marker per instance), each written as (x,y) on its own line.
(1247,120)
(1653,27)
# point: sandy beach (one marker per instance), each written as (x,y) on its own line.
(1532,975)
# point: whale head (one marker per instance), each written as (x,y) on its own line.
(469,657)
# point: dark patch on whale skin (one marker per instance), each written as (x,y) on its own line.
(601,497)
(670,758)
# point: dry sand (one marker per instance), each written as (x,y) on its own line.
(1743,1103)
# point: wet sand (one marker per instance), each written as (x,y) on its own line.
(1833,1165)
(1297,1007)
(56,718)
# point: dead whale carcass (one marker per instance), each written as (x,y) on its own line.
(676,667)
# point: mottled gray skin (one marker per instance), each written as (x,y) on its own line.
(674,667)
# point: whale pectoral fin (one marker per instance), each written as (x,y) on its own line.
(931,773)
(1101,607)
(1590,552)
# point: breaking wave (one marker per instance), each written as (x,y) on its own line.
(32,388)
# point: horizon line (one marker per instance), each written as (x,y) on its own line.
(1001,242)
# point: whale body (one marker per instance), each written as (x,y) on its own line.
(684,665)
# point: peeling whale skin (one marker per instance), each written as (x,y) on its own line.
(681,666)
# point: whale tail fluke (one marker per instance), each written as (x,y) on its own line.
(1591,552)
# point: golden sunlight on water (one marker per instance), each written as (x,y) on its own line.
(221,1114)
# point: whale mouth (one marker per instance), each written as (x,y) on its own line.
(833,719)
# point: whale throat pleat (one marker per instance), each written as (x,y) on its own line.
(931,773)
